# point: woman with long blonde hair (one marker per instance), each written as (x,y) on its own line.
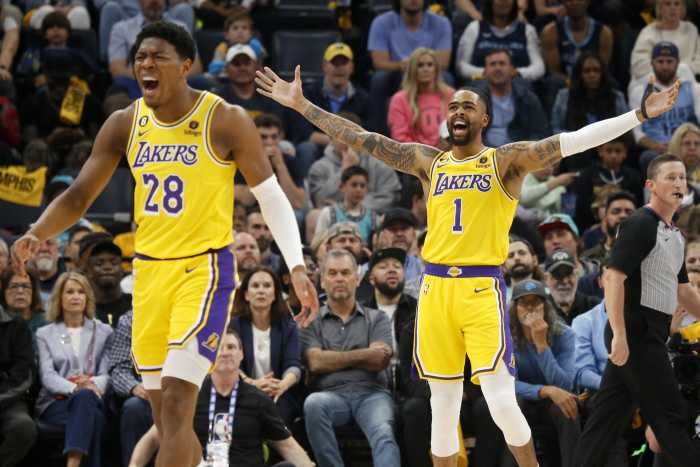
(73,369)
(685,143)
(418,109)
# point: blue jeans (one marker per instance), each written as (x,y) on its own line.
(371,409)
(82,415)
(136,419)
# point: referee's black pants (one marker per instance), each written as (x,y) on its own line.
(646,381)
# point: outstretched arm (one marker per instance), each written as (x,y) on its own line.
(237,138)
(516,160)
(67,208)
(411,158)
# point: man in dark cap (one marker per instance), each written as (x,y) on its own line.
(654,134)
(560,278)
(386,275)
(102,263)
(398,230)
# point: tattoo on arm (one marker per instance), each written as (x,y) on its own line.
(545,152)
(400,156)
(524,157)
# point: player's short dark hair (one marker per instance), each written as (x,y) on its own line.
(483,97)
(618,195)
(352,171)
(266,120)
(171,33)
(55,19)
(653,167)
(499,50)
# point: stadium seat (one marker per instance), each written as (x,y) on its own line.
(303,48)
(317,8)
(207,40)
(17,217)
(380,6)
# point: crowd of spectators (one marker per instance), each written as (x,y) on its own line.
(68,390)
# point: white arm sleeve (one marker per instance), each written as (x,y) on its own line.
(595,134)
(279,215)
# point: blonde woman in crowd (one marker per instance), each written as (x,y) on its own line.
(73,369)
(418,109)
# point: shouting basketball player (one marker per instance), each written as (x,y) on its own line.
(183,147)
(472,192)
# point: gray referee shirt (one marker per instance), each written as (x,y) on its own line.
(651,254)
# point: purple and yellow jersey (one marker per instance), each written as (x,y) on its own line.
(183,201)
(469,212)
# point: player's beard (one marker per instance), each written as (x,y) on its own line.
(388,290)
(462,140)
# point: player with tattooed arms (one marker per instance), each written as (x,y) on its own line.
(472,192)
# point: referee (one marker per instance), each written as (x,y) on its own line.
(644,282)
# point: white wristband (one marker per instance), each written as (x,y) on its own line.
(280,218)
(595,134)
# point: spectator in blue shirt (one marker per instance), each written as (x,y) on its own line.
(591,358)
(544,353)
(393,36)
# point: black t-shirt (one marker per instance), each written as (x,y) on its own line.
(651,254)
(109,313)
(256,419)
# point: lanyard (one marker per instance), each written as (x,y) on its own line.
(231,410)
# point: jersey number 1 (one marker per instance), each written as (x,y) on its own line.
(171,202)
(457,226)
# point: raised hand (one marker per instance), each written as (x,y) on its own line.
(306,293)
(274,87)
(659,102)
(24,249)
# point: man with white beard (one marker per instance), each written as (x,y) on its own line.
(560,278)
(48,267)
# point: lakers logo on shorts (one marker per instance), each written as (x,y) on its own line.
(212,342)
(454,271)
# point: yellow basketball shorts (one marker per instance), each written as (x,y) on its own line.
(461,311)
(176,300)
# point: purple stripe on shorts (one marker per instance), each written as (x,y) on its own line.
(455,272)
(210,335)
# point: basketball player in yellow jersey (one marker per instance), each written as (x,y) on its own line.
(183,147)
(472,194)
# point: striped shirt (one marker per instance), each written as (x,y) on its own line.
(651,254)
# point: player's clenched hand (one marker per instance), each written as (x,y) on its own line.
(619,350)
(274,87)
(306,293)
(24,249)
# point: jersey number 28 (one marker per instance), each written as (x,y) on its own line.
(171,200)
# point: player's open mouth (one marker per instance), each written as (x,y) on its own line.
(459,126)
(678,194)
(149,84)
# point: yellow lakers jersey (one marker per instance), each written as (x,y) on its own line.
(469,212)
(183,202)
